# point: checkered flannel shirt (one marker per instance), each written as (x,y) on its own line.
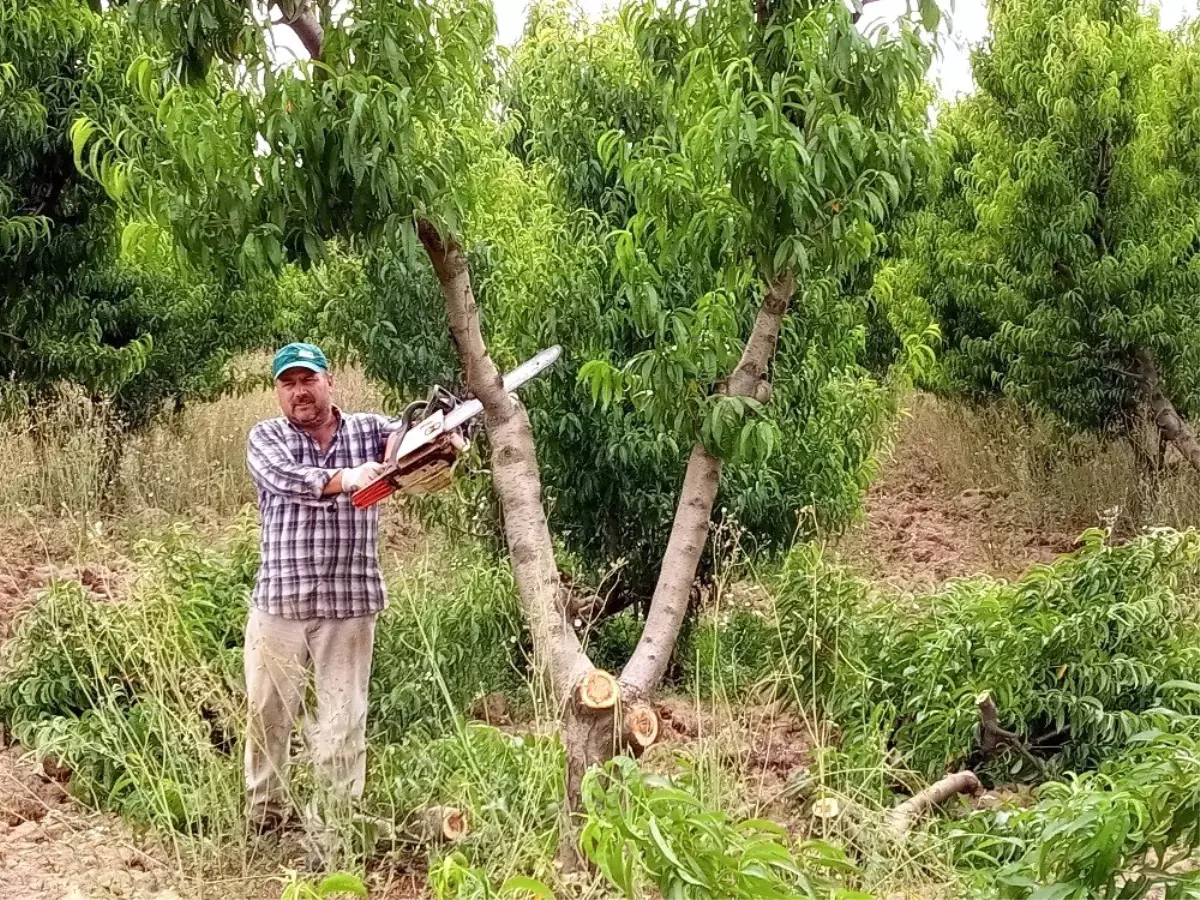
(319,554)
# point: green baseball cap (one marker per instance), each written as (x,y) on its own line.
(304,356)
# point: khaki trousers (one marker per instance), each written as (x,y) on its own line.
(279,653)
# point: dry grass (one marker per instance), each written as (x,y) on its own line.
(1055,480)
(191,466)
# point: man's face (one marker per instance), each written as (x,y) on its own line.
(305,397)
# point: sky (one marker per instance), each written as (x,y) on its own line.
(951,70)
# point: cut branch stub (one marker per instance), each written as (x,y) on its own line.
(597,690)
(640,727)
(439,824)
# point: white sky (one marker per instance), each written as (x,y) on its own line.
(951,71)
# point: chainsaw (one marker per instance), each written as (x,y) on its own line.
(426,441)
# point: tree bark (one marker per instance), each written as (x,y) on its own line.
(690,530)
(298,15)
(1171,426)
(899,819)
(514,472)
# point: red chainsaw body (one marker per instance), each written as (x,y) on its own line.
(419,461)
(419,457)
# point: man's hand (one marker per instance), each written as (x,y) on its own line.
(360,476)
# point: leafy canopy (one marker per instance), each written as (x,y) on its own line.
(134,330)
(1062,231)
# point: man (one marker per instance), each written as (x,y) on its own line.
(319,586)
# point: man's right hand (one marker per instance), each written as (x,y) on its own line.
(360,476)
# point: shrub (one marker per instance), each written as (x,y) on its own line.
(1089,835)
(1083,647)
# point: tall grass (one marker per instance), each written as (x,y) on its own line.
(1054,479)
(143,699)
(189,466)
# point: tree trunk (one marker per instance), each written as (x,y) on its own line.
(514,472)
(595,722)
(593,734)
(1171,426)
(690,530)
(588,732)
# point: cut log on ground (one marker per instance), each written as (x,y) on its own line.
(900,819)
(436,825)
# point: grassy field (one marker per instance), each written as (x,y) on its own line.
(810,695)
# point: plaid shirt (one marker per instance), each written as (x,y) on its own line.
(319,554)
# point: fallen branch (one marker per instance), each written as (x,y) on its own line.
(992,736)
(900,819)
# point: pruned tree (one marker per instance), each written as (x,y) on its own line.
(787,140)
(1060,244)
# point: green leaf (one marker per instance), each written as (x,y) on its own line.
(662,844)
(523,884)
(1056,891)
(342,883)
(80,132)
(931,15)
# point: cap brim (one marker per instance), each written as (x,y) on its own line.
(302,364)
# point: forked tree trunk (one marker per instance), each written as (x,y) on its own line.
(600,715)
(694,512)
(1171,426)
(593,732)
(298,15)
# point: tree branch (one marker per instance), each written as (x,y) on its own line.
(857,13)
(900,818)
(298,15)
(514,472)
(689,533)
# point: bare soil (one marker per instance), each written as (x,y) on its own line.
(920,531)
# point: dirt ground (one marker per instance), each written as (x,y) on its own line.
(921,531)
(51,847)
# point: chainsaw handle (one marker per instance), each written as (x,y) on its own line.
(370,494)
